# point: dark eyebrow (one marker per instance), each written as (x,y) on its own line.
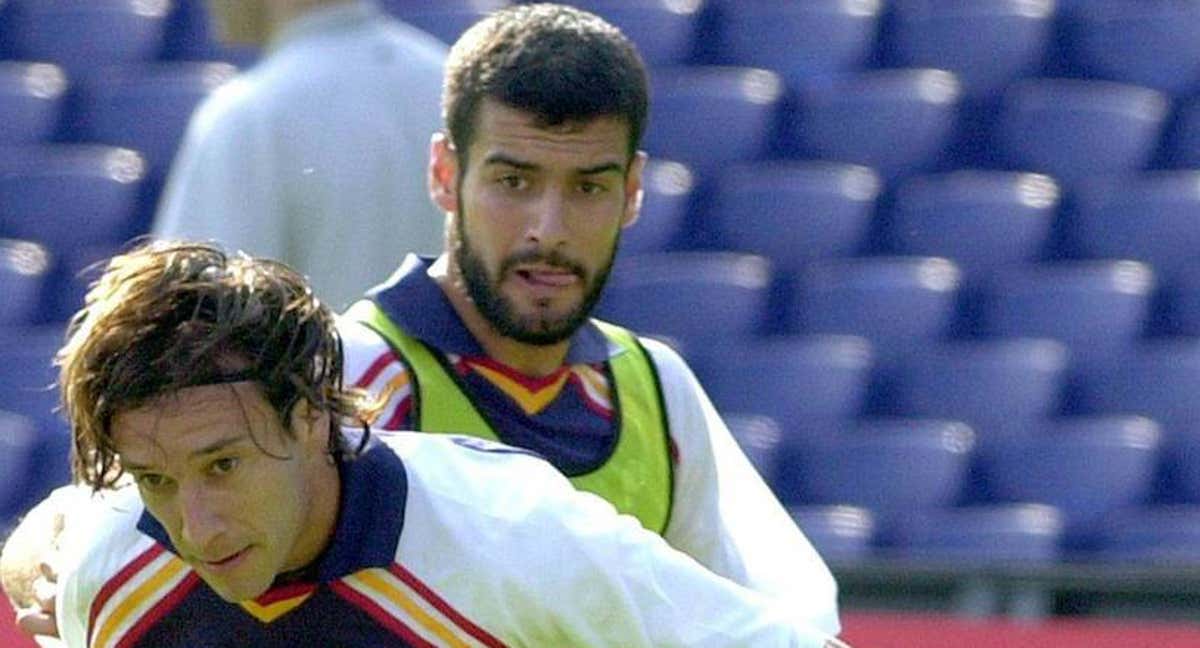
(500,158)
(603,168)
(214,447)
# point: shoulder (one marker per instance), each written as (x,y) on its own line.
(368,358)
(671,367)
(450,469)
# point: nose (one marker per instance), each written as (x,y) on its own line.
(201,522)
(548,221)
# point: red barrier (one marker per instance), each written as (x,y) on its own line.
(887,630)
(10,637)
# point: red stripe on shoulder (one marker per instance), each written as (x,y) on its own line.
(376,367)
(380,615)
(127,572)
(438,602)
(160,610)
(399,418)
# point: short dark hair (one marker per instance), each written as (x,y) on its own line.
(170,315)
(559,63)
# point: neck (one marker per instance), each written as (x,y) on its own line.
(529,359)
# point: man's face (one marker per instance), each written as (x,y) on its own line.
(537,218)
(215,468)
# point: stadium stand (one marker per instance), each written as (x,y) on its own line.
(31,100)
(669,189)
(899,122)
(817,39)
(840,533)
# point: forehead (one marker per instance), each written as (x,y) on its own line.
(504,129)
(191,418)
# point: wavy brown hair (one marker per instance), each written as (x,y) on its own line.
(170,315)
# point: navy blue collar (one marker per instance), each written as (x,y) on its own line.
(370,515)
(416,304)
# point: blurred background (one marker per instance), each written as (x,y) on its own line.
(936,261)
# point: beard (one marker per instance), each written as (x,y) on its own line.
(537,328)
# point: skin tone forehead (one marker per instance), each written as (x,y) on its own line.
(509,132)
(175,425)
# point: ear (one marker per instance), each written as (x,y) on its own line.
(633,189)
(443,173)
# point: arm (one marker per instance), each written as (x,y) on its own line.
(725,516)
(564,568)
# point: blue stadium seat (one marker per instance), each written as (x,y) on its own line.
(803,382)
(803,41)
(84,36)
(1157,535)
(898,122)
(1000,387)
(145,108)
(1085,467)
(760,438)
(27,387)
(27,377)
(68,197)
(1183,142)
(1184,305)
(888,466)
(694,297)
(991,534)
(668,188)
(1153,217)
(898,303)
(1158,378)
(18,440)
(31,101)
(981,220)
(445,19)
(709,116)
(794,212)
(1098,309)
(841,534)
(24,267)
(74,272)
(663,30)
(1074,129)
(1153,44)
(986,43)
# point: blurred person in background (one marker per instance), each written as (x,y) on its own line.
(316,155)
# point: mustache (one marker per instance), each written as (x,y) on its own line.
(552,259)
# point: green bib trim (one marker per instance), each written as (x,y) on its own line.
(637,479)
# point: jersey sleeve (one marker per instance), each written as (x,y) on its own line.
(374,367)
(99,534)
(506,536)
(724,514)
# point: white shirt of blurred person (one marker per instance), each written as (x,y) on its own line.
(316,155)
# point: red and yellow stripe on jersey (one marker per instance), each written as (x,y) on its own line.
(137,597)
(398,600)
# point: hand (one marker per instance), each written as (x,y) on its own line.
(38,619)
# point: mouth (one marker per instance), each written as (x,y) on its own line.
(226,562)
(548,276)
